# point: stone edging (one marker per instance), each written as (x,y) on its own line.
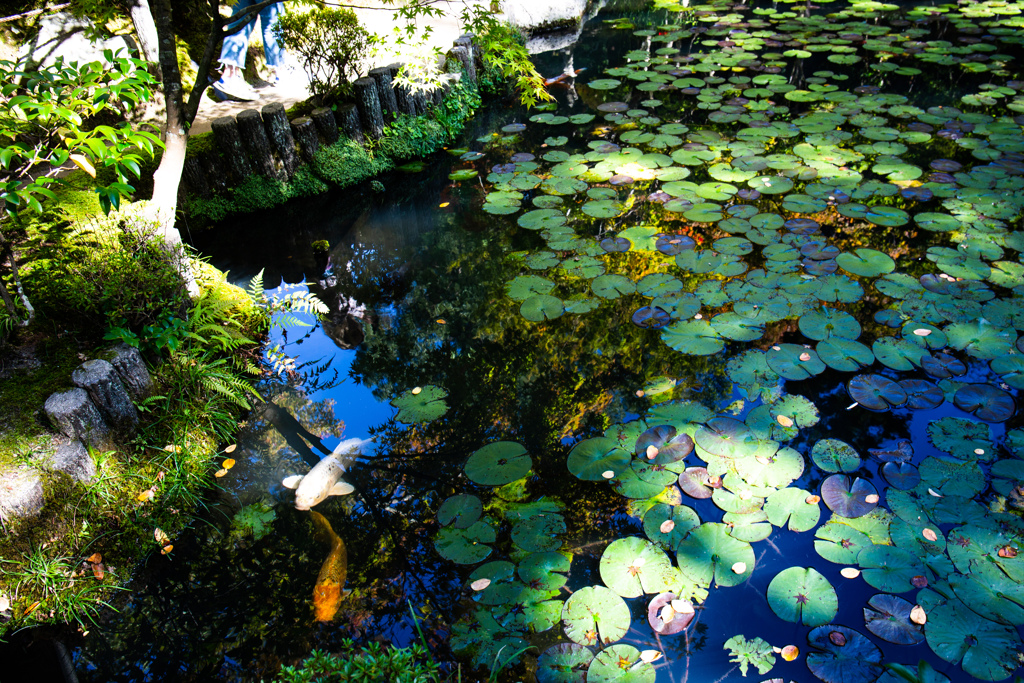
(263,141)
(99,412)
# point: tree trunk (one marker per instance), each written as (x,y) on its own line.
(145,29)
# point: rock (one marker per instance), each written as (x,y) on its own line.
(21,493)
(531,15)
(132,370)
(64,35)
(73,459)
(106,390)
(73,414)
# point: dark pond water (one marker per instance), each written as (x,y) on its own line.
(778,242)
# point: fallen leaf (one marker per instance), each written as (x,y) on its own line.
(667,526)
(837,638)
(231,448)
(480,584)
(416,390)
(97,571)
(918,616)
(812,500)
(652,452)
(919,581)
(761,459)
(745,495)
(166,549)
(639,393)
(5,603)
(161,537)
(608,474)
(441,321)
(871,498)
(933,492)
(849,572)
(667,613)
(228,463)
(805,356)
(146,495)
(31,608)
(979,451)
(739,568)
(650,656)
(784,420)
(95,558)
(443,204)
(922,332)
(1007,552)
(220,473)
(929,534)
(682,606)
(698,316)
(790,652)
(715,482)
(172,448)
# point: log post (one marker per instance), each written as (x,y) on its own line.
(368,102)
(348,121)
(216,173)
(403,96)
(255,142)
(326,124)
(386,91)
(194,178)
(460,59)
(229,141)
(305,133)
(280,133)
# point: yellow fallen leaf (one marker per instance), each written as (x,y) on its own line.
(172,448)
(166,549)
(31,608)
(682,606)
(231,448)
(84,164)
(416,390)
(95,558)
(443,204)
(849,572)
(812,500)
(784,420)
(918,616)
(220,473)
(228,463)
(146,495)
(480,584)
(790,652)
(97,571)
(639,393)
(161,536)
(441,321)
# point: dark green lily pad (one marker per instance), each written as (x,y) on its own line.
(465,546)
(461,511)
(846,499)
(539,532)
(541,308)
(803,595)
(888,617)
(857,660)
(985,401)
(984,649)
(544,570)
(876,392)
(794,362)
(667,525)
(421,406)
(595,459)
(498,463)
(564,663)
(902,476)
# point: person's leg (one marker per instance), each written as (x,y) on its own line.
(232,54)
(274,52)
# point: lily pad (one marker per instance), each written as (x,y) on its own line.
(498,463)
(632,566)
(595,459)
(620,664)
(833,455)
(461,511)
(985,401)
(465,546)
(984,649)
(421,406)
(564,663)
(888,617)
(876,392)
(856,660)
(595,615)
(803,595)
(709,552)
(846,499)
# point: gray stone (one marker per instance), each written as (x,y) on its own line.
(21,493)
(62,35)
(130,367)
(73,459)
(73,414)
(460,59)
(531,15)
(106,390)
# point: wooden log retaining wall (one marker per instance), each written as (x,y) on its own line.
(263,141)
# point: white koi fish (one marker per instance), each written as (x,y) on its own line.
(325,478)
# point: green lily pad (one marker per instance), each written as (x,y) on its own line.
(826,323)
(595,459)
(745,652)
(709,552)
(888,617)
(564,663)
(876,392)
(984,649)
(845,355)
(539,533)
(791,504)
(985,401)
(888,568)
(465,546)
(693,337)
(544,570)
(612,286)
(421,406)
(856,660)
(803,595)
(833,455)
(620,664)
(849,499)
(461,511)
(794,362)
(632,566)
(498,463)
(667,525)
(840,543)
(962,438)
(866,262)
(541,307)
(595,615)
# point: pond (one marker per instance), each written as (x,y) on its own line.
(709,370)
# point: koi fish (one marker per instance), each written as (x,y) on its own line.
(561,79)
(328,591)
(324,479)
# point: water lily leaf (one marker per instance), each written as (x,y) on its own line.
(612,286)
(693,337)
(539,533)
(833,455)
(498,463)
(593,459)
(710,552)
(962,438)
(1010,370)
(498,575)
(667,525)
(898,354)
(422,406)
(620,664)
(541,308)
(465,546)
(845,355)
(564,663)
(750,371)
(633,566)
(595,615)
(922,394)
(984,649)
(901,475)
(952,478)
(981,339)
(522,287)
(794,362)
(663,445)
(792,504)
(888,568)
(803,595)
(463,174)
(669,614)
(695,482)
(876,392)
(866,262)
(543,570)
(737,327)
(826,323)
(461,511)
(856,660)
(840,543)
(746,652)
(846,499)
(985,401)
(888,617)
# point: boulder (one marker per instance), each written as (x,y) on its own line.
(530,15)
(106,390)
(21,493)
(130,367)
(65,35)
(73,414)
(73,459)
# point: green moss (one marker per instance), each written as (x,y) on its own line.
(201,144)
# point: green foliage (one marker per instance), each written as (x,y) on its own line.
(114,272)
(331,44)
(746,652)
(373,663)
(253,520)
(45,121)
(506,58)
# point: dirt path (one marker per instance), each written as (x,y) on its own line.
(445,30)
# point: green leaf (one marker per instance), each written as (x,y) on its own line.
(421,406)
(498,463)
(745,652)
(803,595)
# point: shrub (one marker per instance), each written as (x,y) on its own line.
(371,663)
(331,44)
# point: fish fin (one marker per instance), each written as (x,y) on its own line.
(347,592)
(342,488)
(292,482)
